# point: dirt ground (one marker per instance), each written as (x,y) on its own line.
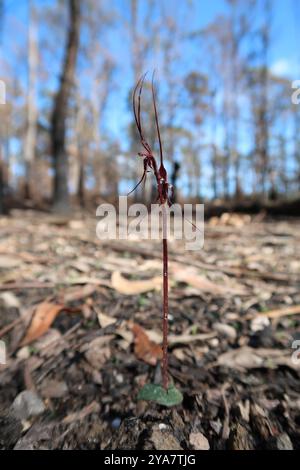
(81,322)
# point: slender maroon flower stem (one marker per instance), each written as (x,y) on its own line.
(165,299)
(163,190)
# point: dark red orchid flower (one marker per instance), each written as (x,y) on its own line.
(163,187)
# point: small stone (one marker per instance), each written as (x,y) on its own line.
(27,404)
(119,378)
(214,342)
(216,426)
(54,389)
(162,426)
(23,353)
(225,330)
(199,441)
(259,323)
(116,423)
(97,377)
(10,300)
(284,442)
(244,408)
(164,439)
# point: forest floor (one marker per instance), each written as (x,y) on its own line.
(81,322)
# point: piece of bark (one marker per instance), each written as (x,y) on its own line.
(10,430)
(240,438)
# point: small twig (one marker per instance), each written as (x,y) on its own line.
(225,431)
(28,380)
(26,285)
(278,313)
(93,407)
(9,327)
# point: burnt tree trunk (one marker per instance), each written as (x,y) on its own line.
(60,112)
(31,130)
(2,211)
(174,178)
(81,179)
(3,180)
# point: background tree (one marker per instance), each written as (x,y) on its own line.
(226,115)
(60,111)
(32,112)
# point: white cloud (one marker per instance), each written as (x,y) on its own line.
(283,67)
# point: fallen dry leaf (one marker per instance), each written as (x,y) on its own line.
(249,358)
(186,339)
(9,262)
(105,320)
(126,334)
(80,293)
(43,317)
(157,337)
(281,312)
(241,358)
(144,348)
(230,219)
(126,287)
(190,276)
(51,342)
(52,388)
(80,265)
(98,351)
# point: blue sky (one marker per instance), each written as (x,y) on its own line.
(192,15)
(284,56)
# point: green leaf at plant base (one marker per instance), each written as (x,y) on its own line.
(156,393)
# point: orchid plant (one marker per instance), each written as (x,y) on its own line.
(166,394)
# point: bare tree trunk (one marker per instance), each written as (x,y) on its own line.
(263,112)
(264,138)
(226,157)
(135,47)
(2,207)
(137,65)
(81,149)
(30,139)
(81,178)
(98,160)
(174,178)
(99,94)
(214,166)
(226,163)
(237,33)
(235,119)
(297,147)
(60,110)
(296,136)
